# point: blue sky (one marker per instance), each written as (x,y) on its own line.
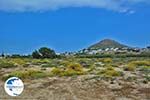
(72,25)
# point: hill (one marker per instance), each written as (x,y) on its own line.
(107,43)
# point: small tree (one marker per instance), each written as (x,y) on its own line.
(36,54)
(148,47)
(47,52)
(3,55)
(44,52)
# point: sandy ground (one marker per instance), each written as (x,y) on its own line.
(87,87)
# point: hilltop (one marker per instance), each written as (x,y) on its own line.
(107,43)
(109,46)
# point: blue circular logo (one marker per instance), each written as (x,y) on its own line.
(14,86)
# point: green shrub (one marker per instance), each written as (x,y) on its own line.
(70,70)
(75,67)
(40,61)
(36,74)
(92,68)
(139,63)
(131,78)
(145,81)
(29,74)
(56,71)
(86,63)
(145,69)
(147,78)
(110,68)
(18,61)
(107,60)
(134,64)
(64,63)
(7,64)
(130,68)
(110,71)
(71,73)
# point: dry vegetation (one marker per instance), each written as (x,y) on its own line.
(114,73)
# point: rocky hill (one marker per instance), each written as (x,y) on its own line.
(107,43)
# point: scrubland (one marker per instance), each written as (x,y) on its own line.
(74,78)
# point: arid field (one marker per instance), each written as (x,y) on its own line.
(73,78)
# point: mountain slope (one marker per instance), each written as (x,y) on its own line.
(107,43)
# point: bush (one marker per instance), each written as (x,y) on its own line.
(50,64)
(36,54)
(131,78)
(6,64)
(64,63)
(86,63)
(71,73)
(75,67)
(56,71)
(92,68)
(40,61)
(29,74)
(44,52)
(134,64)
(108,60)
(145,69)
(72,69)
(110,71)
(147,78)
(130,68)
(18,61)
(139,63)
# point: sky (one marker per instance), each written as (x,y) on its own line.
(71,25)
